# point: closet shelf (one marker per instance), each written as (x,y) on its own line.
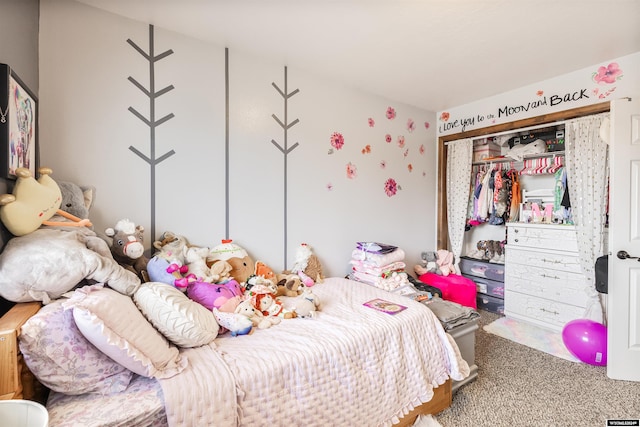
(526,157)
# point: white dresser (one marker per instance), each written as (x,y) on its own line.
(543,280)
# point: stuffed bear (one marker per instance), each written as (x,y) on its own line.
(125,240)
(242,266)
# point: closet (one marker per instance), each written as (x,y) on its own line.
(539,276)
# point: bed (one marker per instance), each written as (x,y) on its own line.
(351,365)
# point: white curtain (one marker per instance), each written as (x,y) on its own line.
(587,163)
(459,158)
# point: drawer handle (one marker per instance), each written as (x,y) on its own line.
(516,231)
(549,311)
(550,277)
(516,240)
(552,261)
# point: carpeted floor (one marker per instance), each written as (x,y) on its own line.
(520,386)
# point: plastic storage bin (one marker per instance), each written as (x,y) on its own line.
(480,268)
(489,287)
(23,413)
(465,337)
(489,303)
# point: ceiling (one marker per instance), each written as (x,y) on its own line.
(433,54)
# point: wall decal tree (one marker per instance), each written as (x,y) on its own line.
(286,149)
(152,94)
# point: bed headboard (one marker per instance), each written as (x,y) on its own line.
(16,381)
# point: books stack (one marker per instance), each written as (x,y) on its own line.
(379,265)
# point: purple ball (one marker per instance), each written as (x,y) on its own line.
(586,340)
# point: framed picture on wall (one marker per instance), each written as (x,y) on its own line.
(18,125)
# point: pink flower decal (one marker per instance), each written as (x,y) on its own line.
(411,125)
(372,122)
(400,141)
(383,164)
(390,187)
(406,153)
(352,171)
(337,140)
(445,116)
(410,167)
(421,149)
(329,186)
(388,138)
(608,74)
(367,149)
(540,93)
(391,113)
(426,125)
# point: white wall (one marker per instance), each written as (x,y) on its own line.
(86,130)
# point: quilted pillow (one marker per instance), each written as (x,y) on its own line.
(182,321)
(113,323)
(62,359)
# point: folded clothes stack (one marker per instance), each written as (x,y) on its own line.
(379,265)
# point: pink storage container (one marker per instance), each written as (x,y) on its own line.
(454,288)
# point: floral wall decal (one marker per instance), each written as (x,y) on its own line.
(337,140)
(388,138)
(366,149)
(444,116)
(401,141)
(391,187)
(391,113)
(410,167)
(426,125)
(608,74)
(411,125)
(372,122)
(352,171)
(383,164)
(421,149)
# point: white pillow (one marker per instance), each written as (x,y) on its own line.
(62,359)
(182,321)
(113,323)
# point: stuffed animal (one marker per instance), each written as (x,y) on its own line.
(223,296)
(261,282)
(429,263)
(258,320)
(76,200)
(264,300)
(265,271)
(307,266)
(220,271)
(236,323)
(33,203)
(445,262)
(195,258)
(242,266)
(172,247)
(290,285)
(125,240)
(306,305)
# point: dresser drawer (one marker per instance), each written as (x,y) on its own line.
(543,312)
(543,259)
(565,291)
(562,238)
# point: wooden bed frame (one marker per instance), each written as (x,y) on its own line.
(17,382)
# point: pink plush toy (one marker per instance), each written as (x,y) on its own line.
(223,296)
